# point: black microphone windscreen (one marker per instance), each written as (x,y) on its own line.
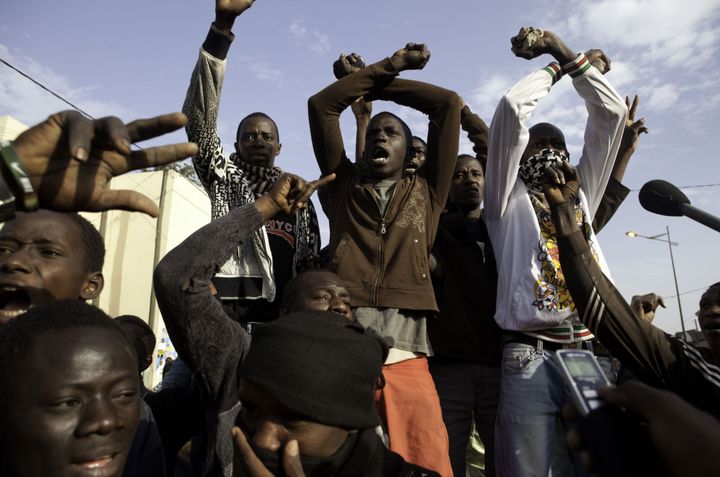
(661,197)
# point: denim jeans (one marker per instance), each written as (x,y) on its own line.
(467,392)
(529,438)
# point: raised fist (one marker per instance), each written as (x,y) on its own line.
(349,64)
(413,57)
(529,43)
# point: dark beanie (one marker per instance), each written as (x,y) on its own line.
(320,365)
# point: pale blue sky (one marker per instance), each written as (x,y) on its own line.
(134,58)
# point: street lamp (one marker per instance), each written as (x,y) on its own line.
(670,243)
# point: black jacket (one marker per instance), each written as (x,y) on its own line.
(465,286)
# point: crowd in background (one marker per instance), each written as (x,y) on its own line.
(429,326)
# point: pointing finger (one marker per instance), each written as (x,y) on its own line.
(291,460)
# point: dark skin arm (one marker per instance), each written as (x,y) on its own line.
(561,188)
(70,159)
(362,110)
(226,11)
(630,138)
(477,132)
(325,107)
(645,305)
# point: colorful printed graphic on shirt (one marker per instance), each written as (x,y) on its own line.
(551,292)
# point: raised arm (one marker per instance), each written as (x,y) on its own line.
(477,132)
(509,133)
(202,100)
(615,192)
(207,339)
(361,109)
(647,351)
(607,113)
(508,129)
(324,108)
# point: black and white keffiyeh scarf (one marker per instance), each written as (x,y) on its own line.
(533,169)
(257,181)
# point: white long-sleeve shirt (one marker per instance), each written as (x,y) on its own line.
(528,298)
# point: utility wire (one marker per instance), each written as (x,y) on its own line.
(47,89)
(686,292)
(20,72)
(687,187)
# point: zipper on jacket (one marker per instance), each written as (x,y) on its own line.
(380,267)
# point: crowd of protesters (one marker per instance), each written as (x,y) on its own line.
(449,284)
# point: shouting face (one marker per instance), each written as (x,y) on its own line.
(385,147)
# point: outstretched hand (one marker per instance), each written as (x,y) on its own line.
(645,305)
(70,159)
(561,184)
(413,57)
(346,65)
(292,192)
(251,466)
(633,128)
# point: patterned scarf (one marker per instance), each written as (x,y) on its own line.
(260,179)
(532,170)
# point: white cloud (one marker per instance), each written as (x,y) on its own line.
(705,198)
(660,97)
(313,40)
(484,98)
(30,104)
(266,72)
(671,31)
(622,74)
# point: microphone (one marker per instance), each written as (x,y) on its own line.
(663,198)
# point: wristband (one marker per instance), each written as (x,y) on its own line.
(7,201)
(19,179)
(577,66)
(554,70)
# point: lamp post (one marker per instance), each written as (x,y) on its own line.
(670,243)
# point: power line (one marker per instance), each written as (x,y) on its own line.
(686,292)
(74,106)
(687,187)
(46,89)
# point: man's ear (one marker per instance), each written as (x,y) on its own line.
(284,310)
(93,285)
(279,148)
(237,148)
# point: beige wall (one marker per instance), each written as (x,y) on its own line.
(133,243)
(10,128)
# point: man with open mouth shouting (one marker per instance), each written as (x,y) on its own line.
(47,256)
